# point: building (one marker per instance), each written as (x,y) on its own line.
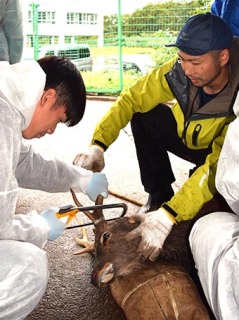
(49,22)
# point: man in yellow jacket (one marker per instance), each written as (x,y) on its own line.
(203,80)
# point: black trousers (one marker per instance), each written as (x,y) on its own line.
(155,133)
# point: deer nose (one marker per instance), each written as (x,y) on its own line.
(94,279)
(103,275)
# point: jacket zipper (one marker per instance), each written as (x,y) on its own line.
(195,134)
(184,133)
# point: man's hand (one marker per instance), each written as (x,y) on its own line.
(98,185)
(92,160)
(153,229)
(56,225)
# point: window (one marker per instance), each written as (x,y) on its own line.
(29,16)
(50,53)
(81,18)
(47,17)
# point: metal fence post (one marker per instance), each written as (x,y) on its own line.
(120,46)
(35,30)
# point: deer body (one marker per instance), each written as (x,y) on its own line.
(146,290)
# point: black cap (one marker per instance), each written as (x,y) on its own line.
(203,33)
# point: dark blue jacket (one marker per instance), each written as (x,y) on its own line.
(229,11)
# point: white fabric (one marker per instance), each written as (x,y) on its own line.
(23,278)
(214,238)
(214,243)
(227,178)
(18,85)
(153,229)
(236,105)
(21,166)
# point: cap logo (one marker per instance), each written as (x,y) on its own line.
(184,36)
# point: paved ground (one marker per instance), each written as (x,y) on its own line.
(69,294)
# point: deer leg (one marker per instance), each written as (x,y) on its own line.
(88,245)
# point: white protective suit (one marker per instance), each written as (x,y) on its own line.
(214,239)
(23,267)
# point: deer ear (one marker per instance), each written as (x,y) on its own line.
(135,218)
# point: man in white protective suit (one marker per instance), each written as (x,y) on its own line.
(34,97)
(214,239)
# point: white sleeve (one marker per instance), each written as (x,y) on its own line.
(35,171)
(227,177)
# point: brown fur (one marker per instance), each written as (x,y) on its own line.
(118,263)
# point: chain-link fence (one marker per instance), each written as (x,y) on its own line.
(129,45)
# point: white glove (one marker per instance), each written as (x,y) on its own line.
(98,185)
(56,225)
(153,229)
(92,160)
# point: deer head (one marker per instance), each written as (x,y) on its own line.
(117,257)
(114,256)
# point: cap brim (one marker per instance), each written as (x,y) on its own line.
(171,45)
(190,51)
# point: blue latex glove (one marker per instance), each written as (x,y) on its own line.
(98,185)
(56,225)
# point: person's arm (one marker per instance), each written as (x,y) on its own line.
(13,28)
(146,94)
(227,177)
(53,175)
(199,188)
(228,10)
(216,7)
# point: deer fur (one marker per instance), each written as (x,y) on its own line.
(117,259)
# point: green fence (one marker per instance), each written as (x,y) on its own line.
(133,43)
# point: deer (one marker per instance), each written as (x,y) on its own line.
(165,289)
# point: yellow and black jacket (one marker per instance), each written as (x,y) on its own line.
(198,128)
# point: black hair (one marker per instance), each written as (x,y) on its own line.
(63,76)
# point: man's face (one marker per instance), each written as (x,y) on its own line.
(204,70)
(45,117)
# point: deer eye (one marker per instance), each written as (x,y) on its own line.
(105,236)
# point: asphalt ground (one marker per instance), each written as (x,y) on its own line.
(70,294)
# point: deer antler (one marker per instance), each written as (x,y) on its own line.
(78,204)
(95,217)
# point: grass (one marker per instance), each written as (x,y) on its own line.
(112,51)
(108,81)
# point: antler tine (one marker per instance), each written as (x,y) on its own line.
(99,200)
(98,213)
(78,204)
